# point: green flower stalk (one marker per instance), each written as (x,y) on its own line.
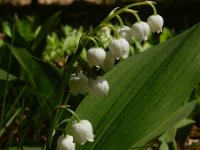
(121,23)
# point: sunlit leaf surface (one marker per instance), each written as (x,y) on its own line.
(146,97)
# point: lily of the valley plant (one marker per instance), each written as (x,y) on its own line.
(100,59)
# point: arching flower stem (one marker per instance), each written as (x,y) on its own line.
(74,114)
(121,23)
(154,8)
(117,12)
(116,34)
(134,13)
(91,39)
(66,107)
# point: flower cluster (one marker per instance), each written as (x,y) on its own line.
(141,30)
(118,48)
(80,84)
(82,132)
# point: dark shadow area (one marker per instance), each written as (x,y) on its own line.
(177,15)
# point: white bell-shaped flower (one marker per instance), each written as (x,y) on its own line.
(119,48)
(126,33)
(78,84)
(98,86)
(109,61)
(140,30)
(155,23)
(82,132)
(96,56)
(65,143)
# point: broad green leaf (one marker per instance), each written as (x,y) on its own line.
(184,122)
(14,36)
(42,78)
(170,135)
(6,29)
(164,146)
(23,57)
(25,27)
(4,75)
(146,94)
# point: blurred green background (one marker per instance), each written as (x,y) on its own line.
(48,31)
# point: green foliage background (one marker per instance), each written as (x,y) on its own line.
(153,93)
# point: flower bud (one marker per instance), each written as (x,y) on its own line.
(65,143)
(96,56)
(98,87)
(155,23)
(140,30)
(119,48)
(78,84)
(82,132)
(126,33)
(109,61)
